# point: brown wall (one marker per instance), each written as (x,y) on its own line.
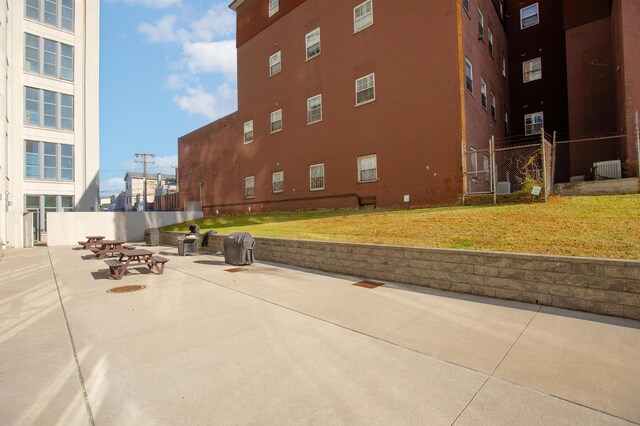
(253,17)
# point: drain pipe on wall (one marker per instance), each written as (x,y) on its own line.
(638,142)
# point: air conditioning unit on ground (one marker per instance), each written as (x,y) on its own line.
(607,169)
(503,188)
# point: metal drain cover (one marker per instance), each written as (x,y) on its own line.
(126,289)
(368,284)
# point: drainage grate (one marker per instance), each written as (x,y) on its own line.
(235,270)
(126,289)
(368,284)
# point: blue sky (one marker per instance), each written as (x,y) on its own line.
(167,67)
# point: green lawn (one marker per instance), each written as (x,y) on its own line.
(606,226)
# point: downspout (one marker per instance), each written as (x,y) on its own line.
(463,118)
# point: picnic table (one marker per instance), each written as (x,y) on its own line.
(117,268)
(108,247)
(92,240)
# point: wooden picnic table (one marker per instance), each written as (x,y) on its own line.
(92,240)
(117,268)
(108,247)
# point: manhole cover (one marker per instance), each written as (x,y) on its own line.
(126,289)
(235,270)
(368,284)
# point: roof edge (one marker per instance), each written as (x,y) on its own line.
(237,3)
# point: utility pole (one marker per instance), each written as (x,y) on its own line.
(146,159)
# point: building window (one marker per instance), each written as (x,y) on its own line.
(362,16)
(274,7)
(490,40)
(48,109)
(275,64)
(532,70)
(276,121)
(316,177)
(66,162)
(501,9)
(480,25)
(56,13)
(32,160)
(366,89)
(493,105)
(32,53)
(367,168)
(483,93)
(474,161)
(48,161)
(533,123)
(314,109)
(529,16)
(504,66)
(66,203)
(312,41)
(506,120)
(250,187)
(248,131)
(277,181)
(468,74)
(465,5)
(48,57)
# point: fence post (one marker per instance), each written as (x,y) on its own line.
(544,166)
(553,163)
(492,155)
(638,142)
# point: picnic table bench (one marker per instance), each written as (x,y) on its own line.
(92,241)
(107,248)
(117,268)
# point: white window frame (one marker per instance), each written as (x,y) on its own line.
(480,25)
(536,74)
(525,14)
(274,7)
(277,181)
(468,78)
(530,124)
(504,66)
(274,120)
(275,63)
(483,93)
(466,5)
(316,181)
(374,178)
(490,40)
(248,131)
(62,113)
(365,20)
(493,106)
(250,191)
(370,82)
(58,58)
(308,45)
(42,166)
(312,115)
(63,22)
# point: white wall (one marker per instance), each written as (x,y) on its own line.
(65,229)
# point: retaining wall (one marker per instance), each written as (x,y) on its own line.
(602,286)
(599,187)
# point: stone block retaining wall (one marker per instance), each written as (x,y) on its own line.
(602,286)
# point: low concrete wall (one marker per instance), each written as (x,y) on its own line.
(602,286)
(599,187)
(65,229)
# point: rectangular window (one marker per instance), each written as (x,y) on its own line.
(275,65)
(32,160)
(274,7)
(48,57)
(51,12)
(50,161)
(66,62)
(33,9)
(493,105)
(66,203)
(362,16)
(56,13)
(277,181)
(474,160)
(32,53)
(314,109)
(468,74)
(465,5)
(533,123)
(367,168)
(366,89)
(248,131)
(48,109)
(66,162)
(483,93)
(316,177)
(66,15)
(529,16)
(532,70)
(32,106)
(504,66)
(506,120)
(276,121)
(490,40)
(312,41)
(480,25)
(50,62)
(250,187)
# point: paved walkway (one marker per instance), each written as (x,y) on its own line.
(276,345)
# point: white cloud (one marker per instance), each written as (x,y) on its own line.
(211,57)
(219,21)
(113,185)
(163,30)
(156,4)
(197,101)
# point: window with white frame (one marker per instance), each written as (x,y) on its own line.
(468,74)
(493,105)
(490,40)
(480,25)
(250,187)
(314,109)
(533,123)
(532,70)
(48,57)
(277,181)
(312,42)
(275,64)
(248,131)
(529,16)
(56,13)
(363,16)
(504,66)
(276,121)
(501,9)
(316,177)
(44,108)
(506,120)
(465,5)
(483,93)
(274,7)
(367,168)
(365,89)
(48,161)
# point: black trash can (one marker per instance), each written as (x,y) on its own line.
(152,236)
(238,248)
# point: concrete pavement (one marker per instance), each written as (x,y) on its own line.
(277,345)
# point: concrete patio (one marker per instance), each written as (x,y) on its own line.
(278,345)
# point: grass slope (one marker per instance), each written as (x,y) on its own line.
(607,226)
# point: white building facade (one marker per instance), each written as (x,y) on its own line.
(50,138)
